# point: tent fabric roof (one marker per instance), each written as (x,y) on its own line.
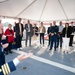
(39,10)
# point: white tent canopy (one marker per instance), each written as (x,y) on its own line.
(39,10)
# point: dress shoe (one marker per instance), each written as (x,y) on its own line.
(50,49)
(10,52)
(20,48)
(6,53)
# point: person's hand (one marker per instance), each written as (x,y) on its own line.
(21,33)
(3,37)
(9,35)
(49,33)
(52,34)
(24,56)
(14,36)
(5,45)
(58,35)
(34,29)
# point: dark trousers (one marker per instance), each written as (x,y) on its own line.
(59,40)
(42,38)
(2,59)
(71,40)
(53,41)
(18,41)
(48,40)
(28,35)
(8,49)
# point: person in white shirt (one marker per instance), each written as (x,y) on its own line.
(59,40)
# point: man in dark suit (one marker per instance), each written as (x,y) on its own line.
(71,36)
(19,33)
(49,33)
(29,31)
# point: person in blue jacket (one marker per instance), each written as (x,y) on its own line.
(2,46)
(11,66)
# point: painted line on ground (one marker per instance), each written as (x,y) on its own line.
(46,61)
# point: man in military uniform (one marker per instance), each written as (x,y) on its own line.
(11,66)
(54,35)
(2,46)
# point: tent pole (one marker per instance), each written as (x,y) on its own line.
(26,8)
(4,1)
(43,10)
(63,9)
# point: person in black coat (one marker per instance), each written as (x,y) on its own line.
(66,30)
(71,36)
(19,33)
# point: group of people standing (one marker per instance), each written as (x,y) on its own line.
(8,38)
(6,68)
(57,33)
(30,31)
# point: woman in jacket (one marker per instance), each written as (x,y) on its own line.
(42,31)
(10,38)
(66,37)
